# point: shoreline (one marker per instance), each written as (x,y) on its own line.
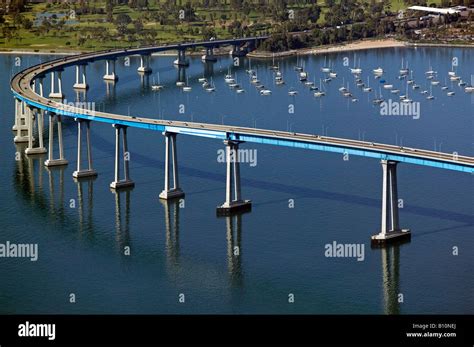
(343,47)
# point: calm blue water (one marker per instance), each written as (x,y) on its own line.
(187,250)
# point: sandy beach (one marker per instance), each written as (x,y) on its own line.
(342,47)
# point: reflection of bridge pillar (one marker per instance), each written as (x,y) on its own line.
(172,208)
(390,228)
(61,160)
(122,228)
(59,93)
(181,74)
(52,193)
(234,249)
(89,172)
(181,60)
(81,73)
(208,69)
(21,122)
(176,191)
(126,182)
(110,74)
(209,56)
(235,203)
(80,197)
(110,89)
(144,80)
(391,278)
(145,63)
(35,114)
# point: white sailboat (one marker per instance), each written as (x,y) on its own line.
(156,86)
(325,68)
(378,71)
(187,87)
(211,88)
(356,70)
(470,89)
(367,89)
(320,92)
(404,69)
(430,97)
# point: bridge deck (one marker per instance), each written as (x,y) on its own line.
(21,86)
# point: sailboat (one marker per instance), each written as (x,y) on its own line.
(470,89)
(430,97)
(320,92)
(378,71)
(187,87)
(157,86)
(325,68)
(404,70)
(298,67)
(274,67)
(343,88)
(431,71)
(378,100)
(228,78)
(367,89)
(292,92)
(406,98)
(211,88)
(411,80)
(356,70)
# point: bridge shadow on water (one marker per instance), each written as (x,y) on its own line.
(102,144)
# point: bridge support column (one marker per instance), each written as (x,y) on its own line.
(235,203)
(80,72)
(56,94)
(176,191)
(144,64)
(209,56)
(80,172)
(21,122)
(126,182)
(34,116)
(51,161)
(237,51)
(181,61)
(390,228)
(110,74)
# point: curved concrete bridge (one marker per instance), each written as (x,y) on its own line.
(32,105)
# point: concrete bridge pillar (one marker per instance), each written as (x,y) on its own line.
(238,51)
(181,61)
(81,74)
(144,64)
(126,182)
(21,122)
(110,74)
(390,228)
(175,192)
(59,93)
(209,56)
(80,172)
(233,203)
(34,116)
(61,160)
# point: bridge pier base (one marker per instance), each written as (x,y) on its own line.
(175,192)
(34,115)
(51,161)
(144,64)
(233,204)
(80,72)
(209,56)
(89,172)
(237,51)
(21,122)
(56,94)
(181,61)
(110,74)
(126,182)
(390,228)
